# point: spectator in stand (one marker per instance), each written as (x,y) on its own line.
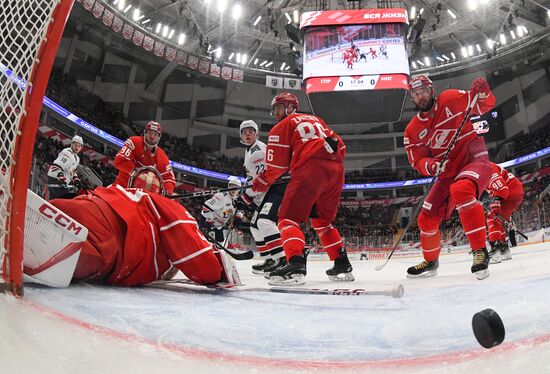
(141,152)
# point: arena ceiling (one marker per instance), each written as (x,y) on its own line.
(259,33)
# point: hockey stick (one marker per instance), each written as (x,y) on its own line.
(239,256)
(191,195)
(509,223)
(434,178)
(185,285)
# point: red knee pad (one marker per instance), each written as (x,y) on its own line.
(328,236)
(463,191)
(472,216)
(292,237)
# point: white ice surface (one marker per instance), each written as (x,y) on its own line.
(91,329)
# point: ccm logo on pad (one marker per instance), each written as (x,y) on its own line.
(60,218)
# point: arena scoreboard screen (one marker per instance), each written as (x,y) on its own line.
(356,59)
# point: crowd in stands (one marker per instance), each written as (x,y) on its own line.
(527,143)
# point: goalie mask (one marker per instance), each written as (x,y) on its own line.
(481,127)
(146,178)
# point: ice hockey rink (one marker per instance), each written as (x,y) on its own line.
(92,329)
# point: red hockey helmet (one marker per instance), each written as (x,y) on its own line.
(420,81)
(146,178)
(153,126)
(284,98)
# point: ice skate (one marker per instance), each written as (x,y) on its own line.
(480,266)
(423,269)
(292,274)
(275,265)
(495,254)
(341,270)
(505,252)
(259,268)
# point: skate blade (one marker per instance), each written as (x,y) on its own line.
(495,260)
(258,272)
(430,273)
(506,258)
(295,280)
(344,277)
(482,274)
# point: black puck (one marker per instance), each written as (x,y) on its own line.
(488,328)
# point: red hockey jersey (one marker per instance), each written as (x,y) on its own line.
(294,140)
(503,183)
(428,135)
(133,154)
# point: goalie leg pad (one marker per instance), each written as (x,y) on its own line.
(230,274)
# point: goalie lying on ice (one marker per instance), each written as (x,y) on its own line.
(133,239)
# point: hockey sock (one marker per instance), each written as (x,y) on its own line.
(272,238)
(496,230)
(472,216)
(292,236)
(430,236)
(260,243)
(328,236)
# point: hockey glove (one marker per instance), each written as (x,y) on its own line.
(260,184)
(481,87)
(496,207)
(244,202)
(77,183)
(62,180)
(435,166)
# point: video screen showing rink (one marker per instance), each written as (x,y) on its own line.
(355,50)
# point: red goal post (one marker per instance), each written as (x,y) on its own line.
(31,32)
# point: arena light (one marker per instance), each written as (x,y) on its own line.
(136,17)
(413,12)
(470,50)
(159,26)
(127,8)
(451,13)
(548,13)
(446,58)
(165,31)
(244,58)
(472,4)
(414,65)
(269,64)
(502,39)
(218,52)
(421,11)
(238,58)
(237,11)
(513,34)
(256,62)
(440,59)
(115,2)
(478,47)
(296,16)
(420,63)
(288,17)
(121,4)
(427,61)
(171,34)
(464,51)
(283,66)
(524,29)
(490,43)
(146,21)
(181,38)
(263,63)
(257,20)
(453,55)
(222,5)
(519,31)
(287,68)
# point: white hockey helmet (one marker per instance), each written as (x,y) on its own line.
(234,182)
(77,139)
(248,124)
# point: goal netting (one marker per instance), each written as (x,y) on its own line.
(31,31)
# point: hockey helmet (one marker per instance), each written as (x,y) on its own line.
(481,127)
(420,81)
(248,124)
(146,178)
(153,126)
(77,139)
(234,182)
(286,99)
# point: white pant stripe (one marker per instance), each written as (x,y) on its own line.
(193,255)
(333,244)
(475,230)
(300,240)
(431,250)
(473,201)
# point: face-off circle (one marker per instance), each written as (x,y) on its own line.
(488,328)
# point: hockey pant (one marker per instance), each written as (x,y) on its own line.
(294,241)
(463,194)
(263,227)
(495,225)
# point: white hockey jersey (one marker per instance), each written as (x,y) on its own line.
(219,209)
(66,162)
(254,163)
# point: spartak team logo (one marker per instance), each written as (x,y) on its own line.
(441,138)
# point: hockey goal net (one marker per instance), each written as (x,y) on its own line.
(337,56)
(31,32)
